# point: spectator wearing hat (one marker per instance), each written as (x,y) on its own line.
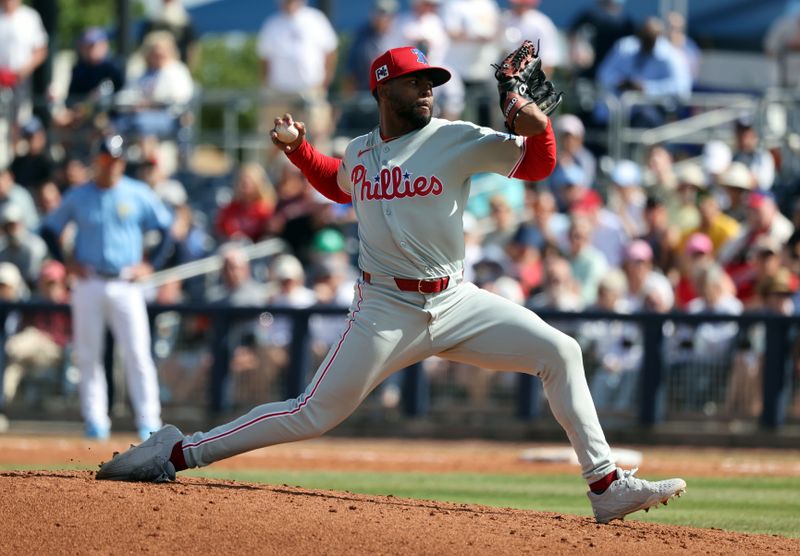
(524,255)
(570,132)
(638,268)
(763,219)
(682,205)
(659,234)
(627,198)
(748,151)
(112,213)
(93,68)
(569,183)
(18,245)
(736,183)
(369,42)
(13,193)
(587,263)
(696,253)
(35,166)
(767,259)
(40,348)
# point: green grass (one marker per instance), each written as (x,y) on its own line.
(768,505)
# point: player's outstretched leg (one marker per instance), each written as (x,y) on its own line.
(511,338)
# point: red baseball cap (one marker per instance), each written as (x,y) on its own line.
(401,61)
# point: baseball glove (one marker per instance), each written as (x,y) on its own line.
(521,81)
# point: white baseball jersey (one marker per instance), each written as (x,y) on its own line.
(409,193)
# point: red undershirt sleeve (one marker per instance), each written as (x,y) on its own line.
(538,158)
(320,170)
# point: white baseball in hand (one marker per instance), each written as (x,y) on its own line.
(286,133)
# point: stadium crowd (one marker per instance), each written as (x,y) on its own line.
(706,233)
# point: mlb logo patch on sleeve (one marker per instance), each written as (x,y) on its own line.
(382,72)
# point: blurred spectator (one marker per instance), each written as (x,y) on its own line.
(294,217)
(422,26)
(735,185)
(716,159)
(74,171)
(748,151)
(683,210)
(658,233)
(613,348)
(594,32)
(608,233)
(473,245)
(253,203)
(20,246)
(783,39)
(504,222)
(172,17)
(695,256)
(570,132)
(485,186)
(524,21)
(569,184)
(297,78)
(676,33)
(706,348)
(553,225)
(763,219)
(369,41)
(48,197)
(12,193)
(472,27)
(642,278)
(767,261)
(95,76)
(41,345)
(648,63)
(744,393)
(659,172)
(588,264)
(627,198)
(237,286)
(23,48)
(35,166)
(524,253)
(153,102)
(560,290)
(718,226)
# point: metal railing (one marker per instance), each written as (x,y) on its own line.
(653,376)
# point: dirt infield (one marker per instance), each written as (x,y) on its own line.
(69,512)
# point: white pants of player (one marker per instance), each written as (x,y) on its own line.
(119,304)
(388,330)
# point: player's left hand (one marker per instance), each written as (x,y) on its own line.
(521,82)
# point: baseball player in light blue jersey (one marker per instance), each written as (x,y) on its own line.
(111,215)
(408,180)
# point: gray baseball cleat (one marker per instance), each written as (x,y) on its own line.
(628,494)
(147,462)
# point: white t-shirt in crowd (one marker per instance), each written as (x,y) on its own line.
(534,26)
(296,45)
(472,26)
(426,32)
(170,85)
(21,34)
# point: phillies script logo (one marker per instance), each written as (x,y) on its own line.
(393,184)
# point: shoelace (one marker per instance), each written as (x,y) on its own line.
(628,477)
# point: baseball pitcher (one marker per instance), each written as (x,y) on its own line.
(408,180)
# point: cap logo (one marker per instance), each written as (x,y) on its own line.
(420,56)
(382,72)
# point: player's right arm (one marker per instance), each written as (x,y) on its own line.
(55,222)
(322,171)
